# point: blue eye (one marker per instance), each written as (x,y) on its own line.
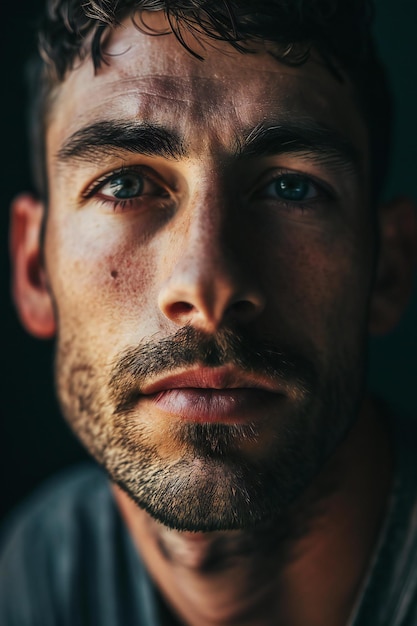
(291,188)
(124,186)
(129,189)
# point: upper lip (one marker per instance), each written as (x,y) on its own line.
(214,378)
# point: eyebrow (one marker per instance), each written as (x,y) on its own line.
(112,137)
(309,138)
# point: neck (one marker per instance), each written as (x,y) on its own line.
(308,575)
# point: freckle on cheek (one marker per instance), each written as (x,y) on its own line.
(114,273)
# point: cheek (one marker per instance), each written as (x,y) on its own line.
(98,275)
(126,276)
(320,286)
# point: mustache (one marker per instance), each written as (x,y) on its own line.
(189,347)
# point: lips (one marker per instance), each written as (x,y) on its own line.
(212,378)
(225,395)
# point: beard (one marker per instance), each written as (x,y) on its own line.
(210,476)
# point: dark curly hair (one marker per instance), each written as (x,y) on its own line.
(339,30)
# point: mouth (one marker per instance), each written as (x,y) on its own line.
(215,395)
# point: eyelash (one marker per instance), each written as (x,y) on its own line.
(117,203)
(324,192)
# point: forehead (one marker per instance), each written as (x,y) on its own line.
(154,79)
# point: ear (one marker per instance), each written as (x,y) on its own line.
(29,285)
(396,264)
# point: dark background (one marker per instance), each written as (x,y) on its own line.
(34,440)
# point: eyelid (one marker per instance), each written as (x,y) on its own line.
(142,170)
(275,173)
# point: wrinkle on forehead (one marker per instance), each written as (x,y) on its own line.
(187,88)
(138,95)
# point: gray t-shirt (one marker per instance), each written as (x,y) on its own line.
(66,558)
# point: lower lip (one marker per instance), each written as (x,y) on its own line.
(214,405)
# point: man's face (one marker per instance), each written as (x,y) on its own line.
(209,251)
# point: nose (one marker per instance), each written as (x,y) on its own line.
(211,282)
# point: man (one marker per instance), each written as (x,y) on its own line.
(207,246)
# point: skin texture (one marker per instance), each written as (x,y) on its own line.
(212,267)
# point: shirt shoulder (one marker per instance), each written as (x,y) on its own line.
(48,512)
(67,559)
(389,595)
(65,487)
(37,543)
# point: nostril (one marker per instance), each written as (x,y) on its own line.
(243,310)
(177,309)
(243,307)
